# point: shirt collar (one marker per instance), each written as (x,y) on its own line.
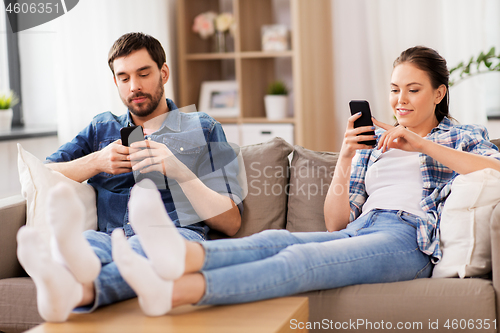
(173,120)
(444,125)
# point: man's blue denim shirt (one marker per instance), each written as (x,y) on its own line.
(196,139)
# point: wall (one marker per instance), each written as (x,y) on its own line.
(9,178)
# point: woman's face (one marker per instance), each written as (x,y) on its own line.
(413,99)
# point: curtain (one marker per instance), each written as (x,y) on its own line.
(370,34)
(64,66)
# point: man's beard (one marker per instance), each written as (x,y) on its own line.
(147,107)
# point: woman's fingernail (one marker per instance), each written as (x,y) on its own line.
(357,114)
(373,127)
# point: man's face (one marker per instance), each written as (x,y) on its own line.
(140,82)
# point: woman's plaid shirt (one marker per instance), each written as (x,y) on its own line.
(436,177)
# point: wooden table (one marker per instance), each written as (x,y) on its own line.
(265,316)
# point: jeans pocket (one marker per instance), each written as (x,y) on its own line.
(409,219)
(425,272)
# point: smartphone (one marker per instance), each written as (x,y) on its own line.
(364,120)
(131,134)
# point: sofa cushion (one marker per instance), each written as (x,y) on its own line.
(266,166)
(465,225)
(18,310)
(417,303)
(496,142)
(12,217)
(310,175)
(37,180)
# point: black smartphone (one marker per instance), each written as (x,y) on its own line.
(131,134)
(364,120)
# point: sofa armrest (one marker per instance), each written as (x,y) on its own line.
(495,254)
(12,217)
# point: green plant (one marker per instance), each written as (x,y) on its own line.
(490,62)
(277,88)
(7,101)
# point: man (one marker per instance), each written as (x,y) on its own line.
(185,154)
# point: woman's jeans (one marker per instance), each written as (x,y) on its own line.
(109,286)
(380,246)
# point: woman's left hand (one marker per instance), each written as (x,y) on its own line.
(398,137)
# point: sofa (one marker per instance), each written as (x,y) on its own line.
(286,188)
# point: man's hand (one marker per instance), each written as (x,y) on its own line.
(112,159)
(148,156)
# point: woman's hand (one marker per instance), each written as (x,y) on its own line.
(352,140)
(148,156)
(398,137)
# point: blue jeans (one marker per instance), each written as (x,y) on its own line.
(378,247)
(109,286)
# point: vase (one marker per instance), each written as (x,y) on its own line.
(220,42)
(276,106)
(5,120)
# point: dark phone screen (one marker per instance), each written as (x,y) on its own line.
(364,120)
(131,134)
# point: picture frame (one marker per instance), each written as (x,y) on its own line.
(275,37)
(219,99)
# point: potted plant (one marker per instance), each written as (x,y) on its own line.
(7,101)
(276,100)
(484,63)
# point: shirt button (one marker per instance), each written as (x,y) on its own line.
(182,149)
(149,138)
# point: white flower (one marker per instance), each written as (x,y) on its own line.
(224,21)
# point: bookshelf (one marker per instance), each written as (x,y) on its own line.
(307,68)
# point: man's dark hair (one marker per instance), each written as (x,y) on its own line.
(134,41)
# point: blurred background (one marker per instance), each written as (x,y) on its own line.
(64,79)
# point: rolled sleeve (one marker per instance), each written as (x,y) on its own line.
(81,145)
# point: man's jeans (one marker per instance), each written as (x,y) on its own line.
(380,246)
(110,287)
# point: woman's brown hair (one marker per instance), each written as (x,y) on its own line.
(434,65)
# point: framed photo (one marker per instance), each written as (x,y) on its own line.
(219,99)
(275,37)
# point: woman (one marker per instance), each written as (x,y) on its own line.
(393,197)
(381,228)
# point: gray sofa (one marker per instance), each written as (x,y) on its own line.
(284,195)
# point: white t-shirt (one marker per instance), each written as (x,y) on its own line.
(394,182)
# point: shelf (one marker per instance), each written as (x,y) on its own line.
(306,68)
(211,56)
(255,120)
(259,120)
(266,54)
(227,120)
(237,55)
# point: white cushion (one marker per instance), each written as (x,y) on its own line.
(465,225)
(36,181)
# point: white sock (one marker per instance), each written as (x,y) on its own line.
(154,293)
(65,215)
(58,293)
(160,240)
